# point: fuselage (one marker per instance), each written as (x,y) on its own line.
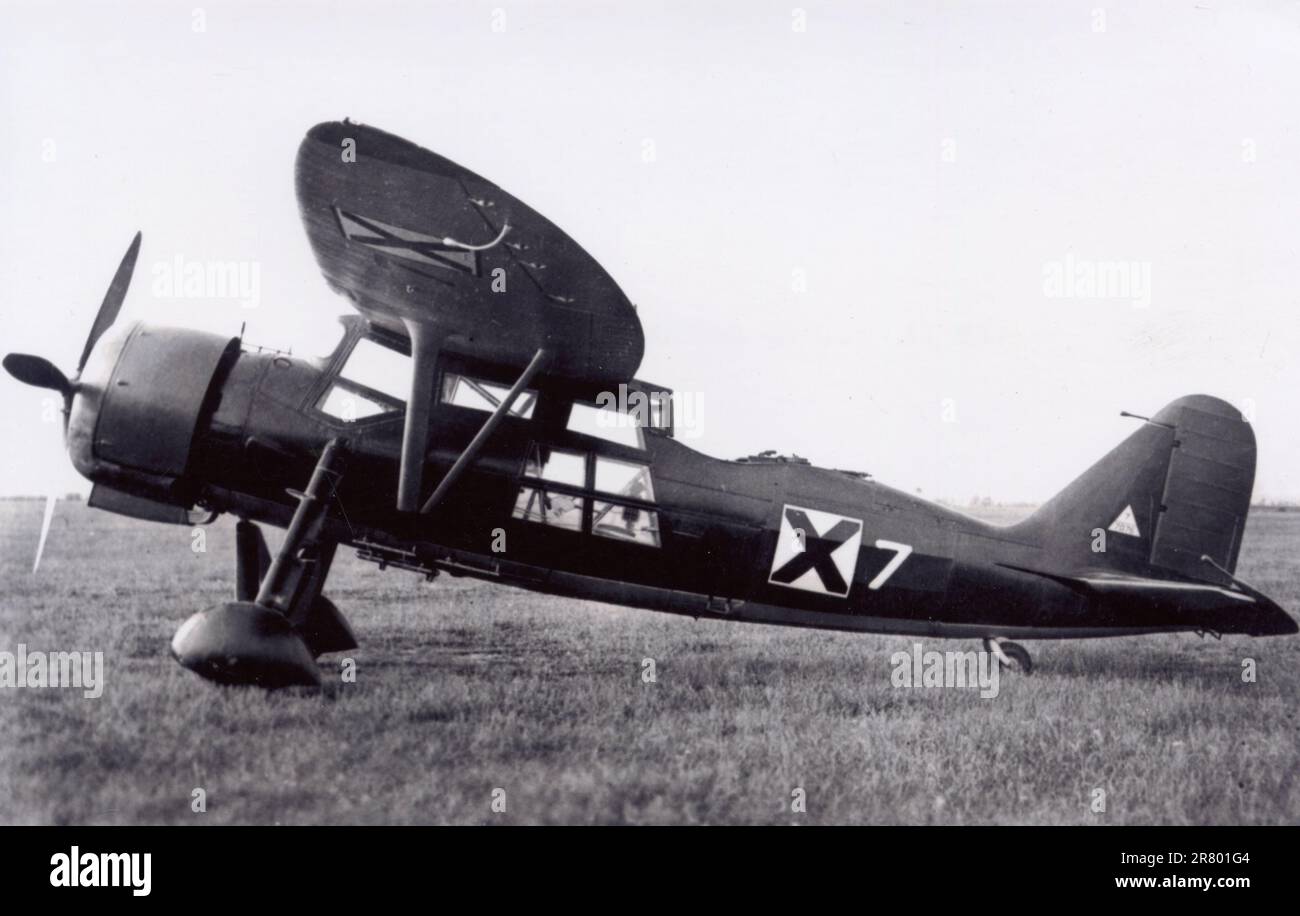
(624,513)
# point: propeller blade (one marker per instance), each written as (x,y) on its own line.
(45,530)
(112,303)
(38,372)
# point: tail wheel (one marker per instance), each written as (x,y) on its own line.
(1019,656)
(1010,654)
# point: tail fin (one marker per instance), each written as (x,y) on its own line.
(1176,490)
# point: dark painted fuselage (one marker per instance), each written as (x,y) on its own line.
(717,525)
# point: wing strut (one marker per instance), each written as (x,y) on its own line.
(480,439)
(415,435)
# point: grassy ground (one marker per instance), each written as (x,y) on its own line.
(464,687)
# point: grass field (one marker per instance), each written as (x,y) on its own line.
(465,687)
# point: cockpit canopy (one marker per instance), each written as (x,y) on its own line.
(370,374)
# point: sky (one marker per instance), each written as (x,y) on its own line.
(944,243)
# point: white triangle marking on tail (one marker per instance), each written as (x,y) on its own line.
(1126,523)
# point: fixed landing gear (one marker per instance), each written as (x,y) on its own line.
(271,635)
(1009,654)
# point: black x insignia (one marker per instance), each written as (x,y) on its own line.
(817,550)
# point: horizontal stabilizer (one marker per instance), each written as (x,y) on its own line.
(1191,596)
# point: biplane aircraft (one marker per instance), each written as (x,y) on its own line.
(503,453)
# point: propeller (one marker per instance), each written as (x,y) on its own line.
(112,303)
(39,372)
(46,519)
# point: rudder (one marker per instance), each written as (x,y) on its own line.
(1175,490)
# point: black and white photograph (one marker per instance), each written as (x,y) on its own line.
(576,413)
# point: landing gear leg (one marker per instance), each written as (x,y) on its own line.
(271,634)
(1009,654)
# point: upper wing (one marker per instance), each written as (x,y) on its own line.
(411,237)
